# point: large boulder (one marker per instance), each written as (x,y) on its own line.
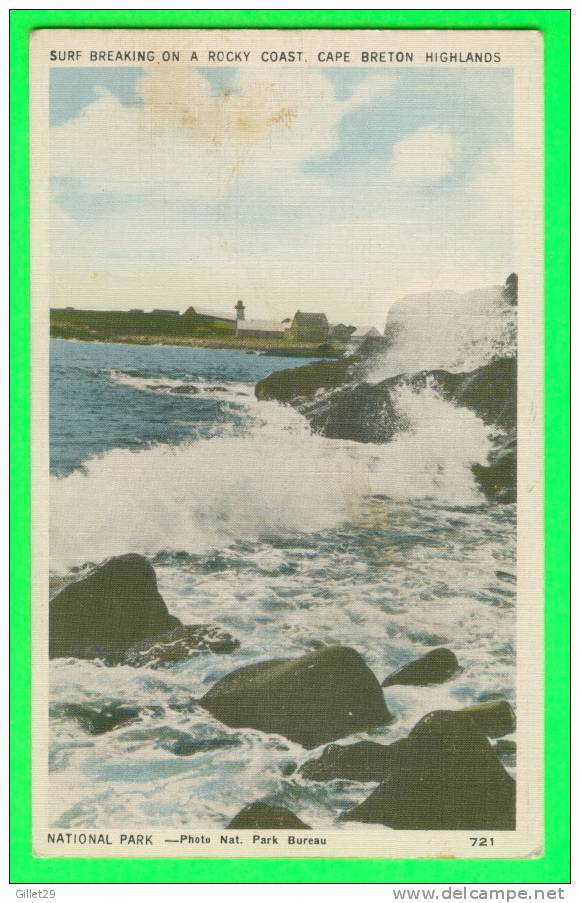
(446,777)
(435,667)
(311,700)
(264,816)
(114,607)
(117,613)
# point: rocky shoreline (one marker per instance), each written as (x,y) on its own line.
(452,769)
(445,775)
(339,403)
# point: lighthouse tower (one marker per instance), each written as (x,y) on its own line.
(240,311)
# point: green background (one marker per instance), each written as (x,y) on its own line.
(554,865)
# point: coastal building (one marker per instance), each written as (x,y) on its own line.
(339,332)
(261,329)
(361,335)
(308,327)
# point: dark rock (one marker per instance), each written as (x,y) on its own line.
(185,390)
(180,643)
(449,778)
(338,402)
(491,392)
(262,815)
(189,746)
(116,613)
(435,667)
(114,607)
(498,478)
(302,382)
(362,413)
(314,699)
(510,290)
(495,718)
(98,719)
(363,761)
(374,346)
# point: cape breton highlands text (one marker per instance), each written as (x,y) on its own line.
(284,57)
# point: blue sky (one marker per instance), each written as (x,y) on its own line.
(343,189)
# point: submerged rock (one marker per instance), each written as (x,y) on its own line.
(311,700)
(180,643)
(446,777)
(98,719)
(435,667)
(117,613)
(263,815)
(363,761)
(187,745)
(185,390)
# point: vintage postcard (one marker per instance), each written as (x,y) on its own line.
(287,315)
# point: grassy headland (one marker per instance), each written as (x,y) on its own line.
(138,328)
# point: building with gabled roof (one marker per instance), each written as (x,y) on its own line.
(309,327)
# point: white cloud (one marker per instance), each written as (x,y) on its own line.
(426,156)
(355,249)
(186,142)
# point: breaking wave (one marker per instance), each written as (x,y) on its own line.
(447,330)
(277,479)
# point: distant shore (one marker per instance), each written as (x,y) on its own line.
(225,342)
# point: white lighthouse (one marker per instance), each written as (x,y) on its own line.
(240,311)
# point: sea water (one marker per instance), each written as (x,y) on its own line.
(288,540)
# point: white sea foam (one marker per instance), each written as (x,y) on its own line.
(278,479)
(166,385)
(395,576)
(449,331)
